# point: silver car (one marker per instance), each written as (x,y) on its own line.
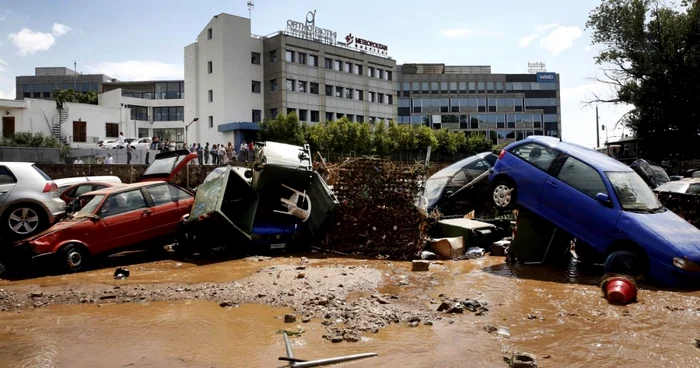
(29,201)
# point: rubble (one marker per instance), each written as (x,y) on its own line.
(420,266)
(521,360)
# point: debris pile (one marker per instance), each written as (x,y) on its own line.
(377,213)
(686,206)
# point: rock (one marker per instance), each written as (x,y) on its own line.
(351,337)
(336,339)
(261,295)
(531,316)
(301,267)
(428,255)
(374,330)
(290,318)
(301,275)
(521,360)
(36,294)
(108,296)
(226,303)
(121,273)
(451,308)
(38,304)
(413,319)
(490,329)
(380,299)
(413,324)
(697,343)
(306,319)
(428,323)
(420,266)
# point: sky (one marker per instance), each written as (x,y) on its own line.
(142,40)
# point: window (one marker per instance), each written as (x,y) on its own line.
(211,121)
(314,116)
(380,97)
(80,190)
(358,69)
(348,67)
(164,193)
(211,96)
(582,177)
(138,112)
(338,65)
(210,67)
(380,73)
(209,33)
(339,115)
(329,116)
(111,130)
(257,116)
(255,58)
(453,86)
(350,117)
(328,63)
(289,56)
(301,86)
(536,154)
(313,60)
(273,85)
(291,111)
(303,115)
(123,202)
(472,86)
(273,113)
(388,75)
(167,91)
(338,91)
(172,113)
(489,86)
(390,99)
(301,58)
(313,88)
(348,93)
(358,94)
(329,90)
(256,87)
(291,83)
(443,86)
(370,72)
(273,56)
(360,118)
(372,97)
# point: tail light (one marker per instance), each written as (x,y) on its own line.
(50,187)
(503,153)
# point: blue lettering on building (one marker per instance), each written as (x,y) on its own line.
(546,77)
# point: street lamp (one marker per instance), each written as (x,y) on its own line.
(187,127)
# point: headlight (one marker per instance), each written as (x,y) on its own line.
(686,265)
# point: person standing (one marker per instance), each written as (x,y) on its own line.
(109,160)
(244,151)
(128,153)
(200,152)
(120,140)
(222,154)
(206,153)
(214,154)
(251,150)
(78,161)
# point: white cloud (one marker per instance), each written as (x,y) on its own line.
(467,32)
(60,29)
(544,27)
(6,83)
(3,64)
(560,39)
(523,42)
(29,42)
(139,70)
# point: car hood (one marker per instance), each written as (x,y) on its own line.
(675,230)
(57,227)
(167,165)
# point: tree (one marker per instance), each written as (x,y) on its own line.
(477,143)
(651,60)
(70,95)
(283,129)
(34,140)
(450,142)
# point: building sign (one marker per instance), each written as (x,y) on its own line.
(309,31)
(534,68)
(366,45)
(546,77)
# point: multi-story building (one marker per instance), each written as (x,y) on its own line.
(504,107)
(235,79)
(47,79)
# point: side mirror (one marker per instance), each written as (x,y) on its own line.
(95,218)
(604,199)
(248,174)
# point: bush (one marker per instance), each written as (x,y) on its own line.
(35,140)
(346,137)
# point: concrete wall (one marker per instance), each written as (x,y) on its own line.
(24,154)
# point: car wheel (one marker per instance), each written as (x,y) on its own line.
(23,220)
(504,195)
(626,262)
(74,258)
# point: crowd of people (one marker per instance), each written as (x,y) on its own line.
(220,154)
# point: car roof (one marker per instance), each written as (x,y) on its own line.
(597,159)
(124,187)
(16,164)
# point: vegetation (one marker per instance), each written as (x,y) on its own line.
(70,95)
(651,59)
(34,140)
(346,137)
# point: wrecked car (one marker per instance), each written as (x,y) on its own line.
(283,204)
(114,219)
(685,185)
(652,173)
(460,187)
(601,202)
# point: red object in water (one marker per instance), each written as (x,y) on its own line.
(620,290)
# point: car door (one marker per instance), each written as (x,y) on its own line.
(169,204)
(569,200)
(7,184)
(466,199)
(531,170)
(126,218)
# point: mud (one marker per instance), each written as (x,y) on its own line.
(169,313)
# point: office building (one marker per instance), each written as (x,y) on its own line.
(504,107)
(47,79)
(235,79)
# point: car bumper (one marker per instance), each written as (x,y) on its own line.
(673,276)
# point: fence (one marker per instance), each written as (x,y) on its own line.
(27,154)
(406,157)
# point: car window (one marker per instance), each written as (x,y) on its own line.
(632,192)
(123,202)
(536,154)
(98,187)
(165,193)
(459,179)
(46,177)
(694,189)
(6,176)
(582,177)
(82,189)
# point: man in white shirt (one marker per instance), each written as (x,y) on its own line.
(109,160)
(78,161)
(244,151)
(120,141)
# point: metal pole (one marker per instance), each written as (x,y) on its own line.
(188,164)
(597,128)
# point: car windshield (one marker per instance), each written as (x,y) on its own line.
(434,188)
(164,165)
(89,207)
(632,192)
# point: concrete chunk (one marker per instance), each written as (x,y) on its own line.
(420,265)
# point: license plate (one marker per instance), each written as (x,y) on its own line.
(278,246)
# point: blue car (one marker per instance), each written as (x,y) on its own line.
(600,201)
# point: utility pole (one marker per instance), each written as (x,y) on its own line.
(597,127)
(75,76)
(251,5)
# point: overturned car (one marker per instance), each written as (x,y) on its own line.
(280,203)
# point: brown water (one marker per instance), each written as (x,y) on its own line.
(577,327)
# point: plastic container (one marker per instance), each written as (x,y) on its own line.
(620,290)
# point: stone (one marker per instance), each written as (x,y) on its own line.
(420,266)
(523,360)
(108,296)
(301,275)
(226,303)
(413,324)
(336,339)
(306,319)
(350,337)
(290,318)
(413,319)
(428,323)
(36,294)
(490,329)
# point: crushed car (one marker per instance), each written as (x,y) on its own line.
(114,219)
(604,204)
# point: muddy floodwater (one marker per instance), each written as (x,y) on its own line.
(154,319)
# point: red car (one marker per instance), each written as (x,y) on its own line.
(74,191)
(113,219)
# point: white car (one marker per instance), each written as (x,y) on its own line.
(114,144)
(107,143)
(142,143)
(63,184)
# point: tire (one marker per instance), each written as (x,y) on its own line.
(627,263)
(27,218)
(74,258)
(504,194)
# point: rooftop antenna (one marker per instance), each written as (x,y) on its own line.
(251,5)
